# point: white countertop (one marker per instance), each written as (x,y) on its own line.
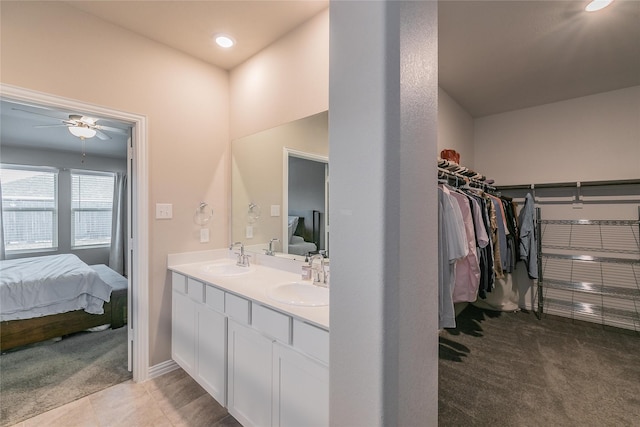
(253,285)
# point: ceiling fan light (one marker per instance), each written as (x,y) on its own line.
(596,5)
(82,131)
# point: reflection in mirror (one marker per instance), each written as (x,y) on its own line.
(258,170)
(305,229)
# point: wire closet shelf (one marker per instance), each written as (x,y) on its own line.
(589,270)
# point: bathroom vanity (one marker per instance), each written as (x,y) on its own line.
(254,339)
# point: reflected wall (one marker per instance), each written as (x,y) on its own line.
(257,175)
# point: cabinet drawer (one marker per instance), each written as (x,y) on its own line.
(271,322)
(195,290)
(214,298)
(237,308)
(311,340)
(179,282)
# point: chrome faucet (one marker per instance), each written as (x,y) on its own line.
(320,275)
(270,250)
(243,260)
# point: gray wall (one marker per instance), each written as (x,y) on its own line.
(64,161)
(306,189)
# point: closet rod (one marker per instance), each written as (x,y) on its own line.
(571,184)
(464,178)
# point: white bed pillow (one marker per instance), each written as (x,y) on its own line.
(293,223)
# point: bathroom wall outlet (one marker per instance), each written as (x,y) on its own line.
(204,235)
(249,232)
(275,210)
(164,211)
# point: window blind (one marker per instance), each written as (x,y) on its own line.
(91,208)
(29,207)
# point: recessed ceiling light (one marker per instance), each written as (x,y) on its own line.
(224,40)
(597,5)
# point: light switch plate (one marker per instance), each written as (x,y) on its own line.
(275,210)
(248,232)
(164,211)
(204,235)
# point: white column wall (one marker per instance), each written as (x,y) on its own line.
(383,139)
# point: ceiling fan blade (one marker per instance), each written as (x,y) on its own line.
(38,114)
(49,126)
(111,129)
(101,135)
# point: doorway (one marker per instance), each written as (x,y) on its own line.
(137,213)
(305,196)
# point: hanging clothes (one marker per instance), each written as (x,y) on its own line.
(467,277)
(487,272)
(528,243)
(495,239)
(478,238)
(512,236)
(452,245)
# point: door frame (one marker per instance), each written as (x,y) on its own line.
(138,313)
(290,152)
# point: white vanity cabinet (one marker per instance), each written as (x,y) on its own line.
(266,366)
(278,371)
(301,378)
(249,373)
(198,333)
(211,344)
(182,325)
(300,389)
(251,363)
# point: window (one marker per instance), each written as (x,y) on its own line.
(91,208)
(29,207)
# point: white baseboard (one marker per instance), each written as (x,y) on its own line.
(161,369)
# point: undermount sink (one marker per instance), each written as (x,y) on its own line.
(225,268)
(300,293)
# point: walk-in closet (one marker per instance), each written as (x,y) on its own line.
(539,105)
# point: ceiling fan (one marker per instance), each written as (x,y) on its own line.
(80,126)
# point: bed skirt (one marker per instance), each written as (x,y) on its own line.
(15,333)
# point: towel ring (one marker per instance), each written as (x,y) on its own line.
(202,215)
(253,213)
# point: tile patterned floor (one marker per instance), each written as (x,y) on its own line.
(171,400)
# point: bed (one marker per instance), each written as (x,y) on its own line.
(304,232)
(51,296)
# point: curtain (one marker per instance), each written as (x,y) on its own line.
(1,227)
(118,252)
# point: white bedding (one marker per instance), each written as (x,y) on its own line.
(299,246)
(40,286)
(110,277)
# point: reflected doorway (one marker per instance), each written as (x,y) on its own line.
(305,203)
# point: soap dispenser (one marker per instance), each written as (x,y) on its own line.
(306,268)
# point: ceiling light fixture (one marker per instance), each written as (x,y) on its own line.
(597,5)
(224,41)
(82,132)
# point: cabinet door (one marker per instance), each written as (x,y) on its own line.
(300,389)
(183,331)
(249,379)
(211,357)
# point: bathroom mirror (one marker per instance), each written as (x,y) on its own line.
(279,188)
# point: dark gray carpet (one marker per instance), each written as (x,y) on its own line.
(36,379)
(511,369)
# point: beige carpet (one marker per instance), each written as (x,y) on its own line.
(36,379)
